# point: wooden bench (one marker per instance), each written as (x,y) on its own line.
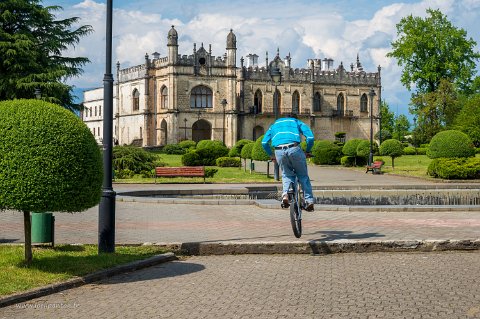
(182,171)
(376,167)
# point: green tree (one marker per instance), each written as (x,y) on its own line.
(431,49)
(32,43)
(392,148)
(468,119)
(401,127)
(49,161)
(386,122)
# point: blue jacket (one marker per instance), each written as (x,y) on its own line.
(287,130)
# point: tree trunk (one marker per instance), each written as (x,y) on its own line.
(393,165)
(27,225)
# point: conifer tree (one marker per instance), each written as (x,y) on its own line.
(32,47)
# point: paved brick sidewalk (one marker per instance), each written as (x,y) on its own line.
(377,285)
(140,222)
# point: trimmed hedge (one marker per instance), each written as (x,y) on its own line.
(409,150)
(258,153)
(236,150)
(326,153)
(228,162)
(455,168)
(49,159)
(451,143)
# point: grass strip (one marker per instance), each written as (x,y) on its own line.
(53,265)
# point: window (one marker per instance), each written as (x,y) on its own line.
(93,131)
(136,100)
(363,103)
(201,97)
(164,98)
(95,111)
(317,102)
(340,104)
(99,110)
(98,131)
(91,111)
(86,112)
(257,102)
(295,103)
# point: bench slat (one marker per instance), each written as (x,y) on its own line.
(182,171)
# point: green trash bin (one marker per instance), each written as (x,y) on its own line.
(43,226)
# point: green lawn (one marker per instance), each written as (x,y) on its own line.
(224,174)
(407,165)
(60,263)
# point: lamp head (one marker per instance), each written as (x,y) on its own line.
(276,75)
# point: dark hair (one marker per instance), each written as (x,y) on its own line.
(294,115)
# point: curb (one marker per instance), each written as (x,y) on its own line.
(80,281)
(323,247)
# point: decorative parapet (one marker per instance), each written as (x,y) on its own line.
(132,73)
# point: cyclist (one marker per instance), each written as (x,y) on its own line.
(285,136)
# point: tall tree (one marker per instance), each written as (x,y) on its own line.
(401,127)
(433,49)
(468,119)
(32,44)
(386,123)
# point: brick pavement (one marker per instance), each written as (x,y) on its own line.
(375,285)
(142,222)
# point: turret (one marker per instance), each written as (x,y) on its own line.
(231,49)
(172,46)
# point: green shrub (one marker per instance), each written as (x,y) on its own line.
(258,153)
(173,149)
(237,148)
(340,134)
(347,161)
(192,158)
(425,146)
(363,149)
(209,151)
(187,144)
(133,158)
(451,143)
(326,153)
(228,162)
(124,173)
(409,150)
(350,147)
(210,171)
(392,148)
(455,168)
(49,159)
(247,151)
(421,151)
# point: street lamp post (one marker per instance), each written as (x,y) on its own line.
(106,218)
(371,94)
(224,104)
(276,76)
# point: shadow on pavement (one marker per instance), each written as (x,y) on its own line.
(7,240)
(166,270)
(343,234)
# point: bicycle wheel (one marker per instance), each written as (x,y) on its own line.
(296,212)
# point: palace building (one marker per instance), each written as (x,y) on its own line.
(200,96)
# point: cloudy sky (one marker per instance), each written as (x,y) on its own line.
(337,29)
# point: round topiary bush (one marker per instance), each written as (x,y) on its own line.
(409,150)
(451,143)
(192,158)
(455,168)
(392,148)
(228,162)
(209,151)
(258,153)
(350,147)
(49,159)
(326,153)
(237,148)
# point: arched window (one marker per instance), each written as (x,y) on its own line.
(136,100)
(257,102)
(295,103)
(164,98)
(363,103)
(277,97)
(340,104)
(317,102)
(201,97)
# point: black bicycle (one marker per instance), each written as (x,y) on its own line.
(297,204)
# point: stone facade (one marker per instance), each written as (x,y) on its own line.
(200,96)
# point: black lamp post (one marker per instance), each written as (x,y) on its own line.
(106,218)
(224,104)
(276,76)
(371,94)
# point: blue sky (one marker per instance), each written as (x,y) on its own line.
(336,29)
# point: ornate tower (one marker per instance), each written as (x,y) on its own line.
(172,46)
(231,49)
